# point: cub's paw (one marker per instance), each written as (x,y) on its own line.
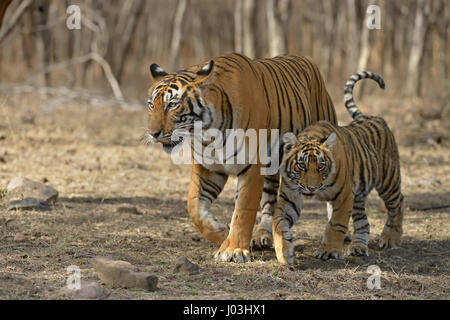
(390,238)
(231,253)
(357,250)
(284,248)
(327,252)
(262,239)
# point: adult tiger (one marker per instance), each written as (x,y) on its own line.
(341,165)
(236,92)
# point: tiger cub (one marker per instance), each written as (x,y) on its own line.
(340,165)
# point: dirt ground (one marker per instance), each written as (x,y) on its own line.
(94,157)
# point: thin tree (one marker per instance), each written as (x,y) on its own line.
(415,69)
(177,34)
(278,13)
(3,6)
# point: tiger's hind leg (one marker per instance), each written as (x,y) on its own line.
(361,228)
(262,236)
(393,229)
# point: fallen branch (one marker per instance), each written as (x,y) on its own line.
(72,94)
(83,59)
(109,75)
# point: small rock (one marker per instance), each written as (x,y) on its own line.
(19,237)
(29,204)
(87,290)
(196,238)
(433,182)
(26,188)
(123,274)
(133,165)
(184,265)
(129,209)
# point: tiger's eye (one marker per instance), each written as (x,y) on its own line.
(301,166)
(149,105)
(172,105)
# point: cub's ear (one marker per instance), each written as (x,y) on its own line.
(157,72)
(289,141)
(205,74)
(330,141)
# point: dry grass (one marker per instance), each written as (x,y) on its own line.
(94,158)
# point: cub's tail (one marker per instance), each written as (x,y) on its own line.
(348,91)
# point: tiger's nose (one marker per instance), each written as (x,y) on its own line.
(156,134)
(312,189)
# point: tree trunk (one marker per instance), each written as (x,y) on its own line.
(177,33)
(413,81)
(3,6)
(21,9)
(43,7)
(248,30)
(278,13)
(127,27)
(444,24)
(352,36)
(331,15)
(238,32)
(364,53)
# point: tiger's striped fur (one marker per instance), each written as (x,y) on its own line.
(341,165)
(235,92)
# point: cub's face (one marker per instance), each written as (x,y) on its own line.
(175,103)
(307,163)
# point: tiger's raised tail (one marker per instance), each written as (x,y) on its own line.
(355,113)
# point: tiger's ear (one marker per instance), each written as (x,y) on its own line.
(330,141)
(205,75)
(289,141)
(157,72)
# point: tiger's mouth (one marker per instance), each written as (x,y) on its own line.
(168,147)
(308,194)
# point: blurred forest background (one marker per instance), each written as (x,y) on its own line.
(118,40)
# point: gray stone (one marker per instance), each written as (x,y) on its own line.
(87,290)
(24,188)
(129,209)
(432,182)
(123,274)
(29,204)
(184,265)
(19,237)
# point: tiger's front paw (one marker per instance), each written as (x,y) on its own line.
(262,239)
(326,252)
(390,237)
(284,247)
(232,253)
(357,250)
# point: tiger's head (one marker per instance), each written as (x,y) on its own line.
(307,163)
(176,102)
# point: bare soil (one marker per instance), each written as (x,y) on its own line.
(94,157)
